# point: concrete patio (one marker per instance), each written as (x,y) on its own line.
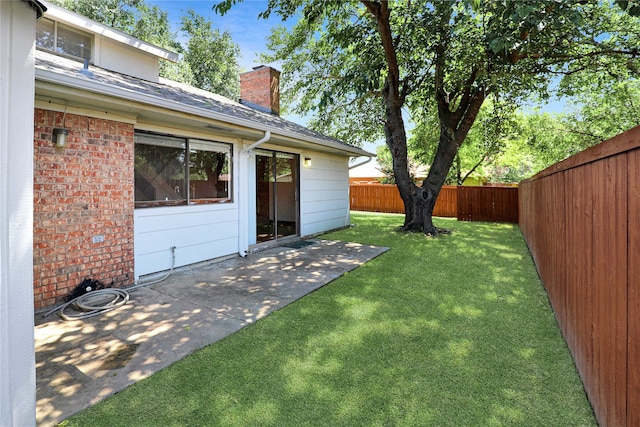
(81,362)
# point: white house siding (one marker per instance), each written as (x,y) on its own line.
(17,352)
(123,59)
(324,193)
(199,233)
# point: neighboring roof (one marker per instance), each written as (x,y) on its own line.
(82,22)
(177,97)
(366,170)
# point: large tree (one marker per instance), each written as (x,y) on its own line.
(212,55)
(362,64)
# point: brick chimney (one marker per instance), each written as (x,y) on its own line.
(260,89)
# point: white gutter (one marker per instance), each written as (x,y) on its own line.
(243,194)
(79,82)
(265,138)
(360,164)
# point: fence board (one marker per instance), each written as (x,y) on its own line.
(578,261)
(447,202)
(376,198)
(493,204)
(633,294)
(550,203)
(496,204)
(610,270)
(581,220)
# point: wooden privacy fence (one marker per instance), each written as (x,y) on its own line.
(581,220)
(499,204)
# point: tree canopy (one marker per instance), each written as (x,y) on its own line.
(212,56)
(361,66)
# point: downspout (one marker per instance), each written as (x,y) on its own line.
(243,194)
(265,138)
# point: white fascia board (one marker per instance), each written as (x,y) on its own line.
(73,19)
(81,83)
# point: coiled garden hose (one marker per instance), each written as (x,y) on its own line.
(94,303)
(103,300)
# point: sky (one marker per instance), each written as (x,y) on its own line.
(242,22)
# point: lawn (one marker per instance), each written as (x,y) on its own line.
(451,331)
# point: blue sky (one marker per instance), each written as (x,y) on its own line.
(242,22)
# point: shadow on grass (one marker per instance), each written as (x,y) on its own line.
(449,331)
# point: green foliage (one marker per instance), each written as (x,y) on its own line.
(334,63)
(384,159)
(393,343)
(630,6)
(494,126)
(321,72)
(178,71)
(360,67)
(118,14)
(540,140)
(531,142)
(385,164)
(135,17)
(212,56)
(604,105)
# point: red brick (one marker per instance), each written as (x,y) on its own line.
(74,188)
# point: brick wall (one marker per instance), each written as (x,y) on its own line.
(261,86)
(81,191)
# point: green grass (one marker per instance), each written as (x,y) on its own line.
(453,331)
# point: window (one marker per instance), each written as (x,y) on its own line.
(59,38)
(172,171)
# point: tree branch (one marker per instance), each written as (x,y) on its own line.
(562,57)
(466,96)
(473,169)
(440,61)
(380,10)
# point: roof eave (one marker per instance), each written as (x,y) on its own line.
(38,6)
(130,95)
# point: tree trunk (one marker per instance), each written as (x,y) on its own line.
(454,125)
(419,206)
(394,130)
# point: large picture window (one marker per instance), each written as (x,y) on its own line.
(173,171)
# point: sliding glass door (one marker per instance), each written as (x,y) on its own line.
(276,195)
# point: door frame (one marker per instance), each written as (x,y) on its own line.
(273,196)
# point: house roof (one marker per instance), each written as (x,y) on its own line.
(366,170)
(164,101)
